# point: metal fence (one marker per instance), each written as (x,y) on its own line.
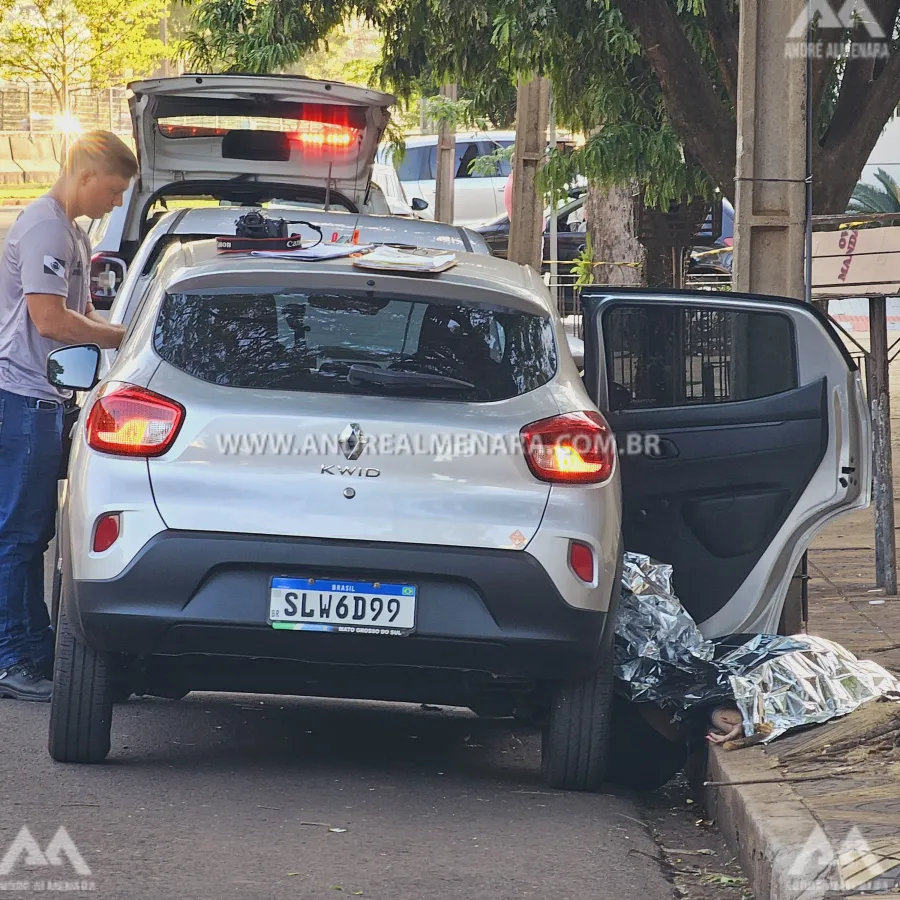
(34,109)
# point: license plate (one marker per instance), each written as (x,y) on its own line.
(346,607)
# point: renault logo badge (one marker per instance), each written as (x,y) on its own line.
(352,441)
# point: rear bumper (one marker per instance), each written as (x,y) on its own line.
(199,595)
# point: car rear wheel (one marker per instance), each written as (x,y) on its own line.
(576,741)
(82,702)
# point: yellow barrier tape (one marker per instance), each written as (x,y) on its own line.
(572,262)
(714,252)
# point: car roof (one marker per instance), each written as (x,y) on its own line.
(219,220)
(199,265)
(426,140)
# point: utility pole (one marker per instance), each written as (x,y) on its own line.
(770,194)
(526,233)
(446,164)
(770,207)
(554,222)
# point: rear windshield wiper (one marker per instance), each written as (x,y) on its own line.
(362,374)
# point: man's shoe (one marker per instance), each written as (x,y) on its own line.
(25,682)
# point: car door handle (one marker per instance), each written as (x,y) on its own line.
(664,449)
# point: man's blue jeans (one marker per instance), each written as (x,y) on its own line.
(30,453)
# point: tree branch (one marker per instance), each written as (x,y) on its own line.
(821,73)
(875,109)
(724,41)
(693,105)
(859,72)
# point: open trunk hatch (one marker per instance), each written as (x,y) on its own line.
(283,129)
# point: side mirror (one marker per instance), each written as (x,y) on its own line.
(74,368)
(419,204)
(107,274)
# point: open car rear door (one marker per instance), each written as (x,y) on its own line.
(743,429)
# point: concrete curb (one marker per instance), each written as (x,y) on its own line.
(766,826)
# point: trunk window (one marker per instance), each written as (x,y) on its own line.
(353,343)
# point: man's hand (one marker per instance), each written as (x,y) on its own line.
(54,320)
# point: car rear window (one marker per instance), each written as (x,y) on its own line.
(353,343)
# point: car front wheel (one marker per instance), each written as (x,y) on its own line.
(576,740)
(82,701)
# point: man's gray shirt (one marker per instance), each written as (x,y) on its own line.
(45,253)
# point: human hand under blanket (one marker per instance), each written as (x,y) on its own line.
(728,725)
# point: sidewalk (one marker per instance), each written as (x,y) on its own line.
(832,790)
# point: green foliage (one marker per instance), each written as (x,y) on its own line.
(871,199)
(584,264)
(77,44)
(603,82)
(489,166)
(454,113)
(351,53)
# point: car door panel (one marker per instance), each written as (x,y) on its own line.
(738,441)
(720,501)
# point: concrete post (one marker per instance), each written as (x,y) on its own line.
(446,163)
(554,221)
(770,208)
(883,493)
(526,234)
(770,194)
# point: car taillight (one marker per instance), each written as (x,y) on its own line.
(581,559)
(132,421)
(323,135)
(106,532)
(573,448)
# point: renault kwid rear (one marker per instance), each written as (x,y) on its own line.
(308,478)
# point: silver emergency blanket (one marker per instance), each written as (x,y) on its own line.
(784,682)
(809,686)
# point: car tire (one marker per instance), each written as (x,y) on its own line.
(642,758)
(576,739)
(82,701)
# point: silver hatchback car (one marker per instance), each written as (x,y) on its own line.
(309,478)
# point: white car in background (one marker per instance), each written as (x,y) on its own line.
(386,179)
(477,198)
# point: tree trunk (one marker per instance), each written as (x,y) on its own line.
(611,220)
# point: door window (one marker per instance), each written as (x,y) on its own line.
(409,168)
(466,153)
(665,355)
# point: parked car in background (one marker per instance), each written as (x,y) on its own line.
(710,259)
(477,198)
(386,179)
(712,255)
(571,228)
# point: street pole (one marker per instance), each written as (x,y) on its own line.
(446,162)
(526,238)
(554,222)
(772,194)
(771,191)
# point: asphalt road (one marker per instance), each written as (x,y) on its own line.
(245,797)
(223,796)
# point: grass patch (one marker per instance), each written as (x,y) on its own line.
(23,191)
